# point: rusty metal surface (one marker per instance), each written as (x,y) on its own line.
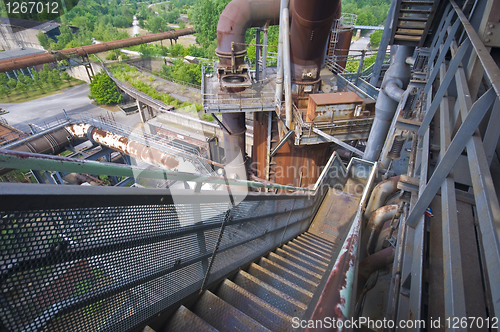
(311,24)
(334,215)
(37,59)
(122,144)
(336,299)
(342,47)
(303,282)
(335,98)
(380,194)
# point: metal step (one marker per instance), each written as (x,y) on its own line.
(312,248)
(307,264)
(223,316)
(420,3)
(280,283)
(317,238)
(271,295)
(300,248)
(316,259)
(185,320)
(296,278)
(294,267)
(414,19)
(254,307)
(317,243)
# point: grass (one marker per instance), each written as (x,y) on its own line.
(21,97)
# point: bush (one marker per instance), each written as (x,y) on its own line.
(103,90)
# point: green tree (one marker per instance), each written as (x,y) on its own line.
(12,83)
(4,91)
(103,90)
(65,76)
(375,38)
(22,88)
(206,15)
(43,39)
(3,78)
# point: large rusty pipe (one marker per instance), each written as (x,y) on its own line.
(375,223)
(380,194)
(49,143)
(311,24)
(373,263)
(132,148)
(38,59)
(236,18)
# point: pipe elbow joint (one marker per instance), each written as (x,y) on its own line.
(393,88)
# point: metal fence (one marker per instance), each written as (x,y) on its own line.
(77,258)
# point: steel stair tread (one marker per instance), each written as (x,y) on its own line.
(315,277)
(309,247)
(317,259)
(185,320)
(280,283)
(306,264)
(223,316)
(254,307)
(317,244)
(317,238)
(296,278)
(271,295)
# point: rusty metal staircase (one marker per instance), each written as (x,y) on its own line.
(266,296)
(412,21)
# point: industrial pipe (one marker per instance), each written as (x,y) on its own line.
(285,23)
(38,59)
(49,143)
(395,80)
(375,223)
(279,74)
(132,148)
(380,194)
(234,144)
(311,24)
(373,263)
(236,18)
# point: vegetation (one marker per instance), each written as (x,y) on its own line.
(353,65)
(375,38)
(132,76)
(38,84)
(103,90)
(370,12)
(185,72)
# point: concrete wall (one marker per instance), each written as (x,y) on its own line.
(16,38)
(149,64)
(80,73)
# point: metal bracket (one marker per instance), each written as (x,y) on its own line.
(491,35)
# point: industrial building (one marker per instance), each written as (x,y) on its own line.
(364,202)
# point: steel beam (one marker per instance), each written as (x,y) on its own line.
(468,127)
(492,134)
(455,62)
(339,142)
(454,295)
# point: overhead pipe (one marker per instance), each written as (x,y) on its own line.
(235,19)
(380,194)
(395,81)
(52,56)
(287,67)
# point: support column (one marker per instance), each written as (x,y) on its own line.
(234,144)
(141,112)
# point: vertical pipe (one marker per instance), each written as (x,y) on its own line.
(287,67)
(386,106)
(264,52)
(279,75)
(234,144)
(257,54)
